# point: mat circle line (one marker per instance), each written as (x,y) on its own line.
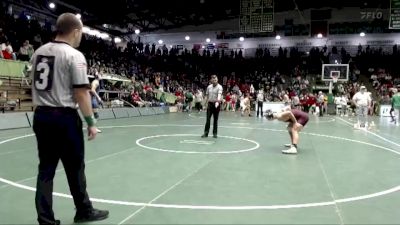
(257,145)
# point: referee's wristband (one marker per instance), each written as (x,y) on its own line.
(90,120)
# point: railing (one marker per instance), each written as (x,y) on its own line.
(13,68)
(8,94)
(13,74)
(170,98)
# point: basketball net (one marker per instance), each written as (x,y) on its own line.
(333,81)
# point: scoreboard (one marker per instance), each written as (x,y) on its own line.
(256,16)
(394,20)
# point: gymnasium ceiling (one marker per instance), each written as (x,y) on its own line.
(121,17)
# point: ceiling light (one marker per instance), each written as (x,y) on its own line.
(104,36)
(94,32)
(85,30)
(117,40)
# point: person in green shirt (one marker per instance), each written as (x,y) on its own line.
(163,99)
(188,101)
(396,106)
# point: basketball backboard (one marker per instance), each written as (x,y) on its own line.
(341,71)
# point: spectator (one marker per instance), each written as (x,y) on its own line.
(25,52)
(8,54)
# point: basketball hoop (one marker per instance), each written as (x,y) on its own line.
(334,73)
(335,76)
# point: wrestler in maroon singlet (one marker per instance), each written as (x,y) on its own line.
(301,117)
(296,120)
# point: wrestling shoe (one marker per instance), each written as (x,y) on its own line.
(291,150)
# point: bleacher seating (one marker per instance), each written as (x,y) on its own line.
(15,94)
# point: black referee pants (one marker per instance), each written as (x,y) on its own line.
(212,111)
(59,135)
(260,108)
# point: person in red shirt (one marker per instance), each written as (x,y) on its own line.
(179,93)
(147,87)
(228,101)
(233,102)
(310,101)
(7,54)
(292,93)
(137,100)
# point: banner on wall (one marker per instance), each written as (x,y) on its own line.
(272,45)
(196,46)
(304,44)
(371,14)
(381,42)
(394,20)
(210,46)
(223,45)
(341,43)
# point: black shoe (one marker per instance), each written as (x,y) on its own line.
(92,215)
(215,136)
(204,136)
(56,222)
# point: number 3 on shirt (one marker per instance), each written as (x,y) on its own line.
(44,72)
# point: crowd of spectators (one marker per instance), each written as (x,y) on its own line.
(153,68)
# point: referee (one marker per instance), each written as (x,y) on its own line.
(60,83)
(214,98)
(260,102)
